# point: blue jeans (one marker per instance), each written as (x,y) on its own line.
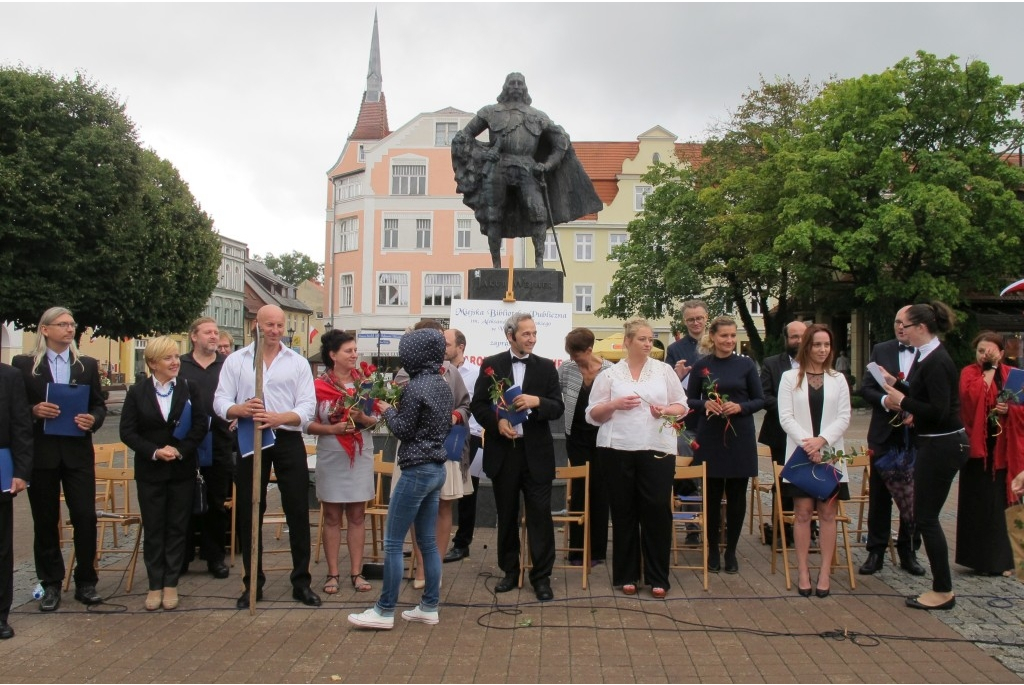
(414,501)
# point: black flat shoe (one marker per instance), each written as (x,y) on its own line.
(51,599)
(6,631)
(306,596)
(456,554)
(243,601)
(945,606)
(804,591)
(543,591)
(507,584)
(86,594)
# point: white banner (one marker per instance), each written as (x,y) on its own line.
(369,341)
(483,322)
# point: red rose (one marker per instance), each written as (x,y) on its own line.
(351,392)
(363,366)
(707,371)
(489,371)
(371,368)
(899,376)
(870,453)
(694,445)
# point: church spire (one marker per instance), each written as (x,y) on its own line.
(372,123)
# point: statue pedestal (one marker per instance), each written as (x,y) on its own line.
(531,285)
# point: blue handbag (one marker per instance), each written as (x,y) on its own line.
(818,480)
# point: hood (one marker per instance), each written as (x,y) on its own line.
(421,350)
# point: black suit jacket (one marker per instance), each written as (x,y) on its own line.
(771,379)
(145,430)
(880,431)
(541,379)
(50,448)
(15,422)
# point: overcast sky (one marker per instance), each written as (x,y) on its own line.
(253,102)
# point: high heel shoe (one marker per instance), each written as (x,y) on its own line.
(804,591)
(822,594)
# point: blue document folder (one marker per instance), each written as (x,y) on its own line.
(6,469)
(184,422)
(1015,383)
(72,400)
(514,417)
(247,435)
(456,441)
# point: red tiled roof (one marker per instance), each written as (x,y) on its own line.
(372,123)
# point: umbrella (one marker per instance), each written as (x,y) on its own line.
(612,349)
(1014,287)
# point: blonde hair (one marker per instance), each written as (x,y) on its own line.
(159,347)
(47,319)
(633,325)
(705,344)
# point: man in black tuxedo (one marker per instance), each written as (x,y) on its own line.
(521,458)
(15,436)
(771,433)
(59,459)
(894,356)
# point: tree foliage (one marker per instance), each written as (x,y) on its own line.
(294,267)
(91,221)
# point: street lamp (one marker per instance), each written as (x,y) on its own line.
(291,338)
(328,326)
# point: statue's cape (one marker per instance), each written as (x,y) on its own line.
(570,192)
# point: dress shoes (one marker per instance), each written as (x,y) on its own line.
(909,563)
(6,631)
(872,565)
(714,564)
(542,588)
(945,606)
(51,599)
(507,584)
(306,596)
(456,554)
(218,569)
(86,594)
(731,565)
(243,601)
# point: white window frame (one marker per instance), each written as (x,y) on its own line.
(390,232)
(346,234)
(445,287)
(550,247)
(640,193)
(406,179)
(346,290)
(398,281)
(444,131)
(614,240)
(755,305)
(463,233)
(348,188)
(583,298)
(584,247)
(424,231)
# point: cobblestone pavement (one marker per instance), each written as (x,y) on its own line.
(746,628)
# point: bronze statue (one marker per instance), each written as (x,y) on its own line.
(526,178)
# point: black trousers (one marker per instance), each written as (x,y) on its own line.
(735,491)
(166,507)
(211,526)
(467,505)
(938,461)
(44,498)
(583,450)
(288,457)
(6,555)
(512,479)
(640,498)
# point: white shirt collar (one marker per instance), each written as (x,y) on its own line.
(927,348)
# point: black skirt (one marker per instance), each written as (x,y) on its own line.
(982,542)
(790,490)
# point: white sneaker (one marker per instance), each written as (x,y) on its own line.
(420,616)
(373,620)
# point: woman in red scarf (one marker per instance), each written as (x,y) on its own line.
(344,456)
(996,432)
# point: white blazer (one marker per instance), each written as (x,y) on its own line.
(795,412)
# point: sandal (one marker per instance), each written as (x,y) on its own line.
(331,585)
(359,583)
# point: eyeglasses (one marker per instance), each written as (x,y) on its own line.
(696,319)
(62,324)
(901,324)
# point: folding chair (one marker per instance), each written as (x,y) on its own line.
(573,514)
(861,501)
(692,518)
(760,486)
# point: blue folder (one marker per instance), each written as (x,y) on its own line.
(247,436)
(184,421)
(72,400)
(1015,383)
(514,417)
(6,469)
(456,441)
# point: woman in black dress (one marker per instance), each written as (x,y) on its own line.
(930,402)
(725,390)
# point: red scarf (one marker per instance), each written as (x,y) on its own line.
(975,403)
(327,390)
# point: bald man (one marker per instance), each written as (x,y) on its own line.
(288,404)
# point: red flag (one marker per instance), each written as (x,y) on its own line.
(312,334)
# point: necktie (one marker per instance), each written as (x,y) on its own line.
(517,360)
(906,348)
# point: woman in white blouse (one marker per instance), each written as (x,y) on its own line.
(814,410)
(629,402)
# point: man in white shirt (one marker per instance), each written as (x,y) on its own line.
(455,352)
(288,405)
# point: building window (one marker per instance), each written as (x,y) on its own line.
(640,194)
(614,240)
(393,289)
(390,234)
(440,289)
(345,285)
(347,188)
(422,234)
(443,132)
(550,247)
(346,235)
(463,234)
(655,158)
(584,247)
(583,300)
(361,155)
(755,305)
(409,179)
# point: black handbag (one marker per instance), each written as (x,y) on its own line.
(200,503)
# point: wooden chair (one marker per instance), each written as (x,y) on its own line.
(760,486)
(860,501)
(122,516)
(779,545)
(573,514)
(690,519)
(377,508)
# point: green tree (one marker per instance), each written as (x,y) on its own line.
(293,267)
(87,217)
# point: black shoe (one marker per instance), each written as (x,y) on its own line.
(872,565)
(456,554)
(714,565)
(909,563)
(243,601)
(804,591)
(692,539)
(86,594)
(218,569)
(51,598)
(821,594)
(306,596)
(508,583)
(542,588)
(6,631)
(945,606)
(731,565)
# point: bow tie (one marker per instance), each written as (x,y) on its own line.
(906,348)
(517,360)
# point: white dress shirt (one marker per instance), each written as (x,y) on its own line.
(287,385)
